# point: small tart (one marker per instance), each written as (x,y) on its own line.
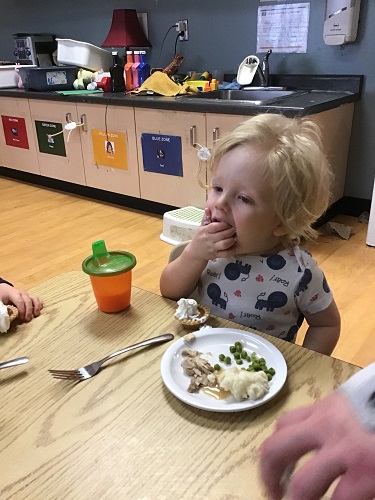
(12,312)
(204,313)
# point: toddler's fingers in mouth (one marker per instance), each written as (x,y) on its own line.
(206,217)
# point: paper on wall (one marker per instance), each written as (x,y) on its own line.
(283,28)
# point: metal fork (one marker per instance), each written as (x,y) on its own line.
(92,369)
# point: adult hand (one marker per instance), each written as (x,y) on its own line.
(343,449)
(28,306)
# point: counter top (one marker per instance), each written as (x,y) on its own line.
(325,92)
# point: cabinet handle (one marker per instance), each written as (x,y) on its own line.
(84,122)
(68,117)
(215,134)
(192,136)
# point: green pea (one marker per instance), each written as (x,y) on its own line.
(239,361)
(271,371)
(238,344)
(228,360)
(239,348)
(237,355)
(218,367)
(269,376)
(221,357)
(232,348)
(244,355)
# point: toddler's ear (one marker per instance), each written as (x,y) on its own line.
(279,230)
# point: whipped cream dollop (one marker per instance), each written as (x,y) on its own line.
(187,309)
(4,318)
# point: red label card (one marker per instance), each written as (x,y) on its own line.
(15,132)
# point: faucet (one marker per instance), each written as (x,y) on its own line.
(264,71)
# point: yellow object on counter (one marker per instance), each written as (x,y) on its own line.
(161,84)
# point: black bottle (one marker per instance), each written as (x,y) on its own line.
(117,74)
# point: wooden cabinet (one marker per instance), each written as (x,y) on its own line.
(109,120)
(14,156)
(173,190)
(69,167)
(178,187)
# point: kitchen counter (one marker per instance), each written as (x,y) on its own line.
(325,92)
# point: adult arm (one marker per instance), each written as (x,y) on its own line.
(341,437)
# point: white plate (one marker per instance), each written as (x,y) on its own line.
(212,342)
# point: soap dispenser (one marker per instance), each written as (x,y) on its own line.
(128,70)
(135,69)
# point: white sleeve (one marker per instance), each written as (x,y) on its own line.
(360,392)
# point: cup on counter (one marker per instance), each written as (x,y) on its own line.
(217,74)
(111,277)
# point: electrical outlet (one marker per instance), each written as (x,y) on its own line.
(183,26)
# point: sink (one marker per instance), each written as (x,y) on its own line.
(257,96)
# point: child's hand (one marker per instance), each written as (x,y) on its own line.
(28,306)
(212,239)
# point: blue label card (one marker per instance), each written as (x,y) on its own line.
(162,154)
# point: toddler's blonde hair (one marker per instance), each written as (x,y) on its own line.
(296,164)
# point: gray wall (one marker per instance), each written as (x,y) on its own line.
(222,33)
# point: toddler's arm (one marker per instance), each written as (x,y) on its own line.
(28,305)
(210,241)
(324,330)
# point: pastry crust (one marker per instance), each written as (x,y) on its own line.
(12,312)
(204,313)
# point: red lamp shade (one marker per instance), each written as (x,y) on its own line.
(125,30)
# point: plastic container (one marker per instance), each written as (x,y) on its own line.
(128,70)
(111,277)
(180,224)
(143,68)
(135,69)
(117,74)
(9,76)
(82,54)
(49,78)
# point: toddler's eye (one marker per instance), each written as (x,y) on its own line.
(217,189)
(244,199)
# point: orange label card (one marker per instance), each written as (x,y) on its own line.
(110,149)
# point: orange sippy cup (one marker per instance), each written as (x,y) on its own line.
(111,276)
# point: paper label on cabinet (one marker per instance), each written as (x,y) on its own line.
(48,142)
(109,149)
(162,154)
(15,132)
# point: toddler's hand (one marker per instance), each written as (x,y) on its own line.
(212,239)
(28,306)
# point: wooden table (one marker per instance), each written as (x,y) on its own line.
(122,434)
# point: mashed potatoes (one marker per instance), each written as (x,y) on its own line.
(245,385)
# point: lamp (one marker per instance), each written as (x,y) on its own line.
(125,30)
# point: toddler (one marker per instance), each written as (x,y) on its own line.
(270,181)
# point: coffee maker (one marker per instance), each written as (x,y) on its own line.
(34,48)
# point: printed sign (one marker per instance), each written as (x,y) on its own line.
(162,154)
(47,140)
(15,132)
(110,149)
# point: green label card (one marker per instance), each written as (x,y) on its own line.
(49,142)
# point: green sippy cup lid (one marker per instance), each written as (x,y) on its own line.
(104,263)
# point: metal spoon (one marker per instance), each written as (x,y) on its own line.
(14,362)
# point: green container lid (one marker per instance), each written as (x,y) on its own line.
(104,263)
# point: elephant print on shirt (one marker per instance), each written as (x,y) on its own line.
(214,292)
(275,300)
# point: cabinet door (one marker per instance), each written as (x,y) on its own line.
(172,153)
(17,145)
(64,159)
(114,166)
(220,125)
(336,126)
